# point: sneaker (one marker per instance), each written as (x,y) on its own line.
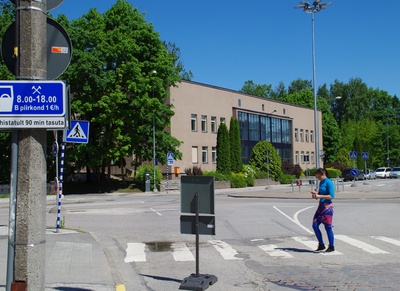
(320,248)
(330,249)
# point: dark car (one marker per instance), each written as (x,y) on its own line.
(350,174)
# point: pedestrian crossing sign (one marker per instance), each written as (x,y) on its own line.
(79,132)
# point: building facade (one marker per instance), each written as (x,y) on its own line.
(200,109)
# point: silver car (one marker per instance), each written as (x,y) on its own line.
(395,172)
(369,174)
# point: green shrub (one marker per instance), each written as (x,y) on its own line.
(286,178)
(238,180)
(217,175)
(258,159)
(333,173)
(261,175)
(250,174)
(140,177)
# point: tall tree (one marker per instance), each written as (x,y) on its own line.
(259,90)
(223,150)
(235,146)
(119,77)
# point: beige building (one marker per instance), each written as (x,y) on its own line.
(200,109)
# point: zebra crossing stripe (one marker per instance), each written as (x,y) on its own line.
(225,250)
(135,253)
(313,245)
(274,252)
(181,252)
(361,245)
(386,239)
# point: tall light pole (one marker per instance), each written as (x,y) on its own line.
(154,72)
(317,6)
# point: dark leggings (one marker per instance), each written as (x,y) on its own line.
(318,233)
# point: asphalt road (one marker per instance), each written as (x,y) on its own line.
(263,240)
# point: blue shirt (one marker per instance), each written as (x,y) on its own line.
(326,187)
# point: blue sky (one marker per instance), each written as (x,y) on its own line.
(225,43)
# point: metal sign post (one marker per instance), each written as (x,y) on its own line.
(192,187)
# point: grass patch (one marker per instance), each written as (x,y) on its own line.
(4,196)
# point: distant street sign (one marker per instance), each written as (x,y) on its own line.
(353,155)
(354,172)
(170,159)
(364,156)
(79,132)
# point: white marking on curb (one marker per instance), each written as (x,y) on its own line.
(273,252)
(313,244)
(181,252)
(295,220)
(156,211)
(361,245)
(135,253)
(226,251)
(386,239)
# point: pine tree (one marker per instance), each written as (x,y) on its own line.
(235,146)
(223,150)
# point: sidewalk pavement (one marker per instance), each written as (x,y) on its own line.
(81,258)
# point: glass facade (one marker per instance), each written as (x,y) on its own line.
(255,128)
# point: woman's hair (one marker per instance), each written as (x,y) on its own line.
(321,171)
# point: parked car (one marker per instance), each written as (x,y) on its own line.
(347,174)
(395,172)
(369,174)
(382,172)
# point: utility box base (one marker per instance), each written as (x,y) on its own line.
(198,282)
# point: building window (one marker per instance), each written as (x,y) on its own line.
(286,132)
(312,136)
(296,134)
(213,124)
(194,122)
(254,127)
(194,155)
(276,130)
(312,158)
(204,155)
(222,120)
(262,107)
(204,123)
(239,103)
(307,158)
(301,135)
(296,158)
(214,155)
(307,135)
(302,157)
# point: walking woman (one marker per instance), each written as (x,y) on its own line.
(324,213)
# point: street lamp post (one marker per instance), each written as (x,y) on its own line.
(317,6)
(154,72)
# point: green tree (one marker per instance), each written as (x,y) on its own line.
(252,88)
(119,77)
(235,146)
(258,159)
(223,150)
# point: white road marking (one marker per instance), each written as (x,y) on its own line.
(181,252)
(135,253)
(226,251)
(361,245)
(295,219)
(273,252)
(155,211)
(313,245)
(389,240)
